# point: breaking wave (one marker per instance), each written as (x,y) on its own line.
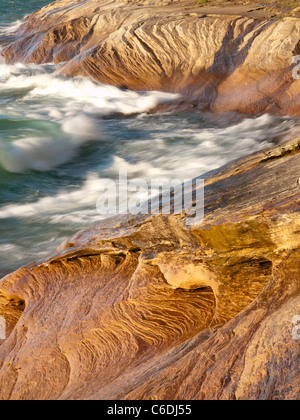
(61,137)
(46,118)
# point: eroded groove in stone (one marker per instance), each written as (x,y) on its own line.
(222,62)
(145,307)
(100,315)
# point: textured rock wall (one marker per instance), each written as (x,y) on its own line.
(223,62)
(147,308)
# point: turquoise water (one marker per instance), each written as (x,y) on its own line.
(60,137)
(13,10)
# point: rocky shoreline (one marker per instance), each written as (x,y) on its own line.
(222,62)
(144,307)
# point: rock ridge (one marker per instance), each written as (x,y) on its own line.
(223,62)
(149,307)
(144,307)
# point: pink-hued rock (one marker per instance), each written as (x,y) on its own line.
(222,59)
(146,307)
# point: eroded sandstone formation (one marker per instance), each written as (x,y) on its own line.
(238,60)
(148,307)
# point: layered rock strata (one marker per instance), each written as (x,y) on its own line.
(224,62)
(148,307)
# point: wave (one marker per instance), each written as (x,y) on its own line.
(187,150)
(199,152)
(46,119)
(64,203)
(59,113)
(9,28)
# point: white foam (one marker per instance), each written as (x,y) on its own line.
(9,29)
(63,204)
(78,94)
(195,151)
(74,105)
(152,159)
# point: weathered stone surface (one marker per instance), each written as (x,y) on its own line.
(146,307)
(222,61)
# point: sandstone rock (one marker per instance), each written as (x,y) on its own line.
(146,307)
(219,61)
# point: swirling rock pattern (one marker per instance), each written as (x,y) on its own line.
(223,62)
(146,307)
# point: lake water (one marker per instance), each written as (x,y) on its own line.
(60,137)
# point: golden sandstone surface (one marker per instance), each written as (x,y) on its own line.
(146,307)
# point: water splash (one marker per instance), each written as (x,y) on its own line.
(46,118)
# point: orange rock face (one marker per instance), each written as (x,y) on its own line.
(223,62)
(148,308)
